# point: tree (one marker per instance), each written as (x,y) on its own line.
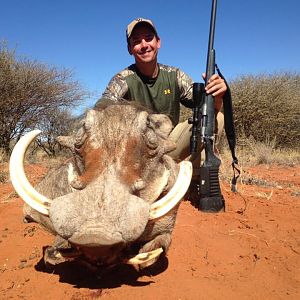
(59,123)
(31,92)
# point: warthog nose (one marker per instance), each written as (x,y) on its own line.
(103,255)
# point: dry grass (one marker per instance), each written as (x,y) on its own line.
(40,157)
(3,173)
(3,176)
(252,153)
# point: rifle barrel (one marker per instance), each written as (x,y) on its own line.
(209,70)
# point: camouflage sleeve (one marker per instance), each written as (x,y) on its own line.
(115,90)
(185,84)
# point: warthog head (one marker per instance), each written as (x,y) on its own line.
(120,190)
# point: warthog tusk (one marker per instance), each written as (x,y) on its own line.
(144,257)
(18,178)
(169,201)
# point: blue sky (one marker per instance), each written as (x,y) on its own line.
(88,36)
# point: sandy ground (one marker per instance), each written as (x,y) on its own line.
(252,251)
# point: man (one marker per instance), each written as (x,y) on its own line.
(159,87)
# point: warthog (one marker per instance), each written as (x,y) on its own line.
(115,200)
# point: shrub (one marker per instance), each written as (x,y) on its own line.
(267,106)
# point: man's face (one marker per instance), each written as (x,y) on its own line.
(143,44)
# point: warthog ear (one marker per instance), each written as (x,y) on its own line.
(74,144)
(161,124)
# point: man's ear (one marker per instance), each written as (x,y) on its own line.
(128,48)
(158,42)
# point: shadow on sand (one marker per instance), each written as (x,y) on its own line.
(81,277)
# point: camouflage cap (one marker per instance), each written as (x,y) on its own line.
(131,26)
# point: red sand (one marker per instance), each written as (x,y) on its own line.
(252,251)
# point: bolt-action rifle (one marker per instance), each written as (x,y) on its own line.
(209,194)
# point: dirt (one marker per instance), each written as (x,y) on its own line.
(250,251)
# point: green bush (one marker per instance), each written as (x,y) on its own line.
(267,106)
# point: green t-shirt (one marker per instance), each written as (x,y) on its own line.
(162,94)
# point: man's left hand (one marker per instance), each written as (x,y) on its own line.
(217,87)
